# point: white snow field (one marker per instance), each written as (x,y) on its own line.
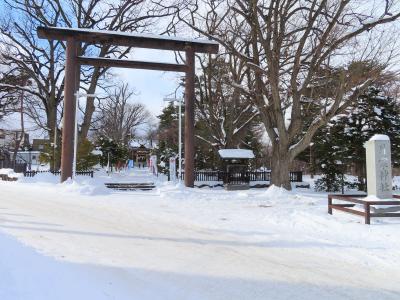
(78,240)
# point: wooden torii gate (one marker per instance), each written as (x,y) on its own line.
(75,36)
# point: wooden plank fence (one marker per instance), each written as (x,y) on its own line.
(252,176)
(57,173)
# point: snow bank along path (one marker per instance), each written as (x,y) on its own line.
(177,243)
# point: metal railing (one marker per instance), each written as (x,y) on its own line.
(78,173)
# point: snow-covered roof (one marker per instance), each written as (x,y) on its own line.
(236,153)
(379,137)
(142,142)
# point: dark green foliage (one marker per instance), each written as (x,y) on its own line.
(117,152)
(332,164)
(252,142)
(343,139)
(85,159)
(168,136)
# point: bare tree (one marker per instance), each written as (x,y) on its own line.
(118,118)
(225,111)
(11,101)
(151,131)
(44,60)
(291,46)
(8,95)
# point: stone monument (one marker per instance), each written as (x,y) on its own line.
(379,166)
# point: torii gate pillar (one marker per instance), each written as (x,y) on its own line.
(189,118)
(71,85)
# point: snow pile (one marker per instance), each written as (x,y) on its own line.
(374,198)
(277,193)
(379,137)
(45,177)
(236,153)
(10,173)
(82,185)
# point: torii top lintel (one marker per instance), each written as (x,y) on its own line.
(119,38)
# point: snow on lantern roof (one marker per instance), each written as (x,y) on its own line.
(379,137)
(236,153)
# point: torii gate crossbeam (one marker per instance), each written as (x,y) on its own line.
(75,36)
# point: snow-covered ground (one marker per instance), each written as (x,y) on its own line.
(80,241)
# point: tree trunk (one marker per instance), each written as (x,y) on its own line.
(280,167)
(21,138)
(361,176)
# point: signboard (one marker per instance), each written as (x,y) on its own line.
(153,164)
(131,164)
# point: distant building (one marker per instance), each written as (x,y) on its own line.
(8,142)
(40,144)
(140,151)
(30,158)
(27,155)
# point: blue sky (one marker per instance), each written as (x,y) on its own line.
(152,86)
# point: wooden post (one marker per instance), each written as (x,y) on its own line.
(329,204)
(189,118)
(70,83)
(367,213)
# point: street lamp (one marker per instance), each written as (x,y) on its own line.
(29,150)
(77,96)
(179,133)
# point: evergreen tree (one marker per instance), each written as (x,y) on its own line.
(330,158)
(113,151)
(343,139)
(85,159)
(252,142)
(168,140)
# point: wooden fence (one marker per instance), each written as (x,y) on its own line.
(78,173)
(252,176)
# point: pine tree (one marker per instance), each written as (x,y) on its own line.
(113,151)
(375,113)
(330,158)
(252,142)
(168,136)
(343,139)
(85,159)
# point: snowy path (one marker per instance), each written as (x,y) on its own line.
(197,245)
